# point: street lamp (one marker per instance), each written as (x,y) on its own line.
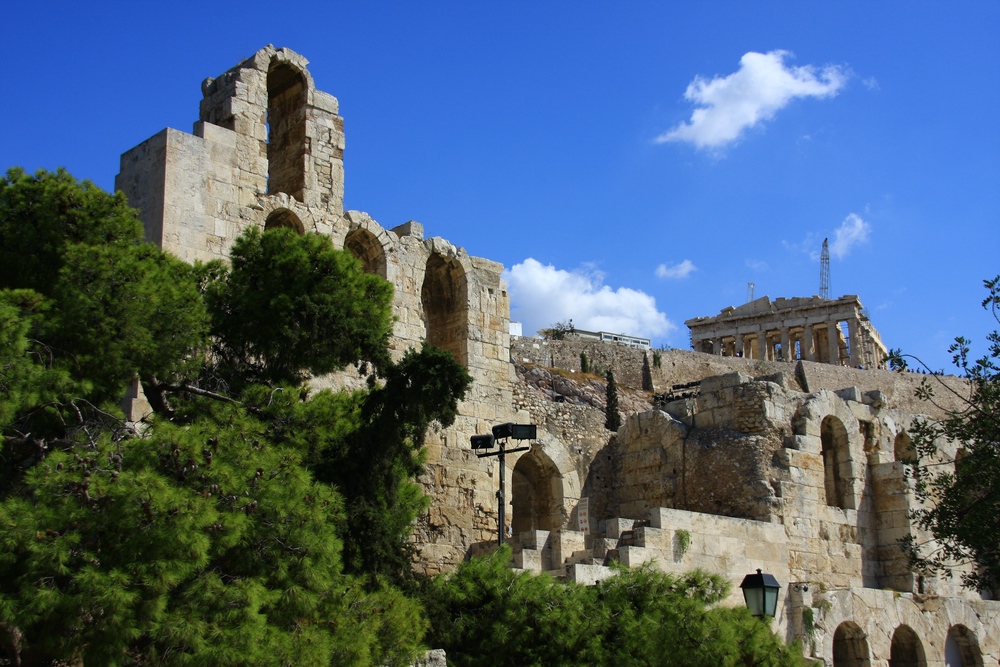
(500,435)
(761,593)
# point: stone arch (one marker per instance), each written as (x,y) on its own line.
(850,646)
(366,248)
(903,447)
(836,452)
(906,650)
(283,217)
(445,300)
(287,93)
(961,648)
(536,494)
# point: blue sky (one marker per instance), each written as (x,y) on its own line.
(633,165)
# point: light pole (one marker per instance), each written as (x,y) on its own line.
(501,434)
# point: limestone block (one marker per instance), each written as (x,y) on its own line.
(634,556)
(613,528)
(849,394)
(582,573)
(647,536)
(534,539)
(565,543)
(718,382)
(529,559)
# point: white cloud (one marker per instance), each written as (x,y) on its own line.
(756,92)
(542,295)
(757,265)
(852,231)
(682,270)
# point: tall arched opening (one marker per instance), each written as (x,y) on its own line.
(286,130)
(850,646)
(903,447)
(365,247)
(445,300)
(906,649)
(536,494)
(836,462)
(961,649)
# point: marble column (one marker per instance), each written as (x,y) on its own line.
(855,341)
(833,335)
(807,344)
(740,347)
(762,345)
(786,345)
(717,346)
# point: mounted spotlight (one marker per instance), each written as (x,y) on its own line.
(515,431)
(501,434)
(482,441)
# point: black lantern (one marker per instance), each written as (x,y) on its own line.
(761,593)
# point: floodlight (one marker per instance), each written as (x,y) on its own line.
(482,441)
(503,431)
(524,432)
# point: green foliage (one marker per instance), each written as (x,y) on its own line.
(584,363)
(486,614)
(114,307)
(683,540)
(291,306)
(201,544)
(657,359)
(558,331)
(963,499)
(612,418)
(216,532)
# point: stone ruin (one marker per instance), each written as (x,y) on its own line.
(790,329)
(774,455)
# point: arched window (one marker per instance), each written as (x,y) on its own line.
(535,498)
(903,447)
(850,646)
(836,462)
(906,649)
(362,244)
(282,217)
(961,648)
(286,130)
(445,300)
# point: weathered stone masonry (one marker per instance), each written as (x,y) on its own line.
(789,329)
(786,462)
(267,151)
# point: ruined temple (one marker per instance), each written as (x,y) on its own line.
(790,329)
(779,453)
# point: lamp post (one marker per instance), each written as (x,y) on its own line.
(501,434)
(761,593)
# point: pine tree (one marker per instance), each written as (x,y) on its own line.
(612,418)
(216,533)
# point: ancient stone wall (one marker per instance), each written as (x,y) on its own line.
(628,364)
(267,151)
(793,467)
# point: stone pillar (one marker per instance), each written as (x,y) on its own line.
(786,344)
(807,344)
(855,341)
(717,346)
(740,346)
(762,345)
(833,340)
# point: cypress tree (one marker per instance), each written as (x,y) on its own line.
(612,420)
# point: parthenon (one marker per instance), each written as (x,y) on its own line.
(790,329)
